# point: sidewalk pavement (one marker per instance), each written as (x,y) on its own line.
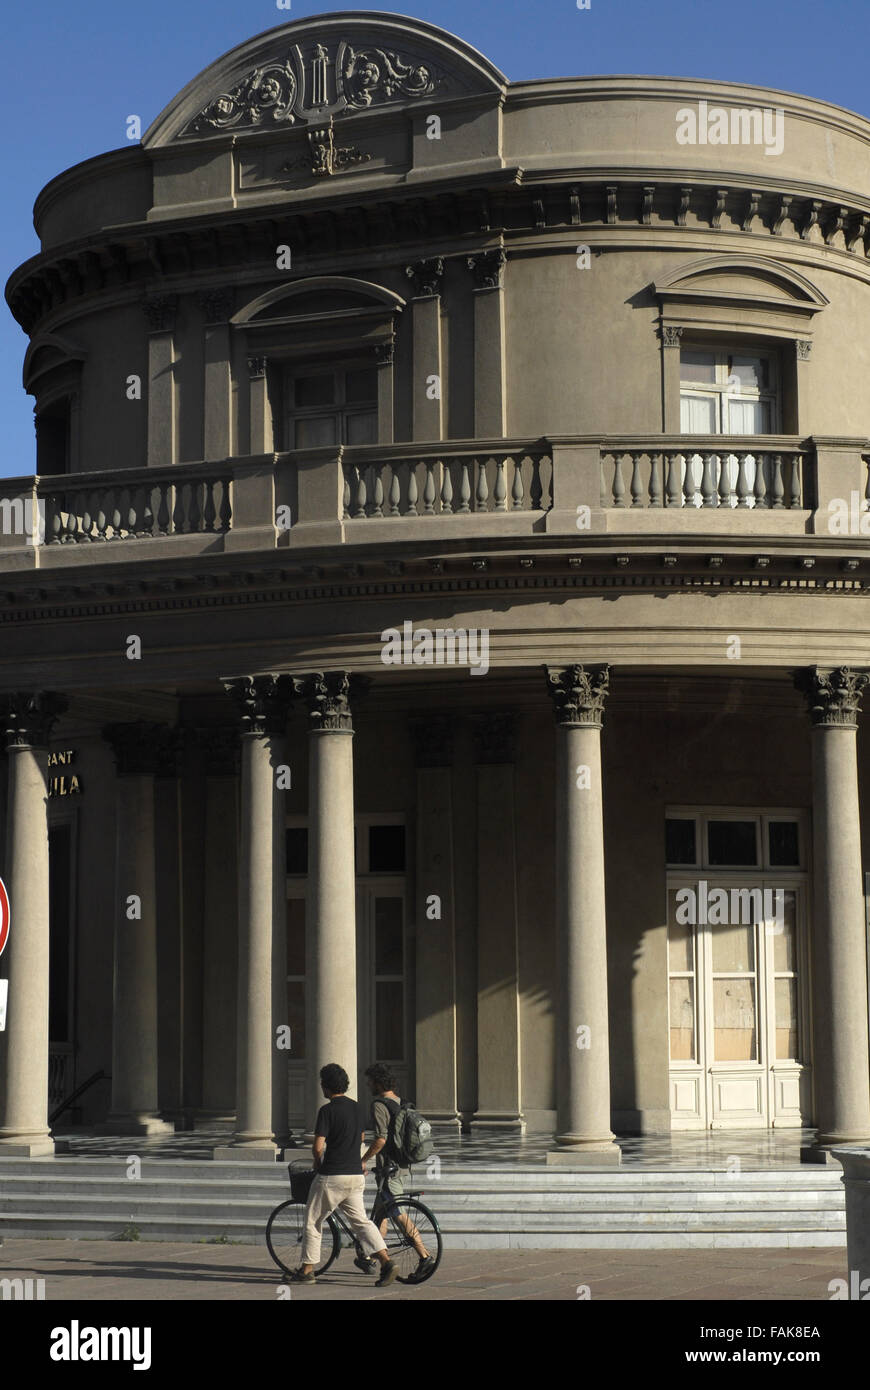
(174,1271)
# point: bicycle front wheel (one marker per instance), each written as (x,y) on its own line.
(284,1233)
(406,1219)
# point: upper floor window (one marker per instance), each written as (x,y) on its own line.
(332,405)
(53,438)
(729,393)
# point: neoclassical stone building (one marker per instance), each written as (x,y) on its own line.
(443,587)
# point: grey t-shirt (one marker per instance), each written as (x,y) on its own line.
(381,1126)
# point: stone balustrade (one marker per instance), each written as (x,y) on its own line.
(707,472)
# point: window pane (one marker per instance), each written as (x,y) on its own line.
(296,841)
(698,415)
(731,842)
(314,390)
(682,1001)
(783,845)
(680,938)
(783,935)
(679,841)
(734,1032)
(697,366)
(747,417)
(786,1019)
(362,427)
(314,433)
(751,372)
(296,1020)
(733,946)
(361,385)
(295,936)
(386,849)
(388,936)
(389,1044)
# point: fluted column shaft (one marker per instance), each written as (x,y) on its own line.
(583,1133)
(24,1131)
(221,915)
(841,1065)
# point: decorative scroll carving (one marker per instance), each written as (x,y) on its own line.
(256,367)
(325,157)
(833,697)
(385,353)
(328,697)
(373,75)
(487,267)
(143,749)
(783,216)
(718,207)
(494,739)
(811,220)
(433,741)
(261,702)
(578,694)
(216,305)
(267,94)
(753,201)
(612,214)
(426,276)
(646,208)
(29,717)
(683,207)
(804,348)
(159,310)
(671,334)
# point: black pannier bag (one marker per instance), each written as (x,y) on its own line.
(300,1183)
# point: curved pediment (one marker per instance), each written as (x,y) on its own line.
(46,353)
(315,70)
(741,279)
(321,296)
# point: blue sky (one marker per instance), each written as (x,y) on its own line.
(73,73)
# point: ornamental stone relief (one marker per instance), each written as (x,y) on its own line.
(315,83)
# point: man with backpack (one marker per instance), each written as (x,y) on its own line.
(401,1136)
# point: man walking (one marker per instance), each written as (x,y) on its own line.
(338,1139)
(385,1104)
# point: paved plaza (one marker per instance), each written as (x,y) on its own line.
(133,1271)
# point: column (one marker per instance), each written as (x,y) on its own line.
(139,750)
(583,1134)
(260,416)
(498,1015)
(216,305)
(841,1068)
(261,705)
(24,1132)
(280,1053)
(221,912)
(435,925)
(162,426)
(487,268)
(428,378)
(330,934)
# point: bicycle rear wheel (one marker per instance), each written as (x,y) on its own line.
(405,1216)
(284,1232)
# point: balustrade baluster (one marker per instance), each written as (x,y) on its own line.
(742,482)
(345,498)
(674,497)
(618,491)
(536,485)
(499,491)
(795,497)
(777,488)
(689,480)
(447,489)
(71,519)
(194,516)
(413,492)
(55,524)
(226,509)
(395,491)
(517,496)
(635,487)
(725,489)
(360,511)
(759,487)
(655,480)
(429,489)
(378,491)
(164,512)
(708,490)
(481,491)
(209,510)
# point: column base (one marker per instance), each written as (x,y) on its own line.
(498,1122)
(135,1123)
(821,1150)
(258,1148)
(585,1153)
(446,1121)
(26,1145)
(224,1121)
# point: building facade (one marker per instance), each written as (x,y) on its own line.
(436,630)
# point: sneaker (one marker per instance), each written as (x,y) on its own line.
(366,1263)
(297,1277)
(423,1270)
(388,1274)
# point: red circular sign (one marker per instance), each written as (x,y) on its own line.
(4,916)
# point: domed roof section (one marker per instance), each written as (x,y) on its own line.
(324,67)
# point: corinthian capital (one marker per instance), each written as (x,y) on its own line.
(29,716)
(578,694)
(833,696)
(328,697)
(261,702)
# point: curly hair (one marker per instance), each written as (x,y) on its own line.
(381,1077)
(334,1078)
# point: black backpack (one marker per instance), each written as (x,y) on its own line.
(409,1137)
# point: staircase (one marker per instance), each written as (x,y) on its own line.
(478,1206)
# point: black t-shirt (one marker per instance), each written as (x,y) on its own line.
(339,1122)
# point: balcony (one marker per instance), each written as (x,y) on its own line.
(569,487)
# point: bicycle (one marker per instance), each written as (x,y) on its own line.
(286,1227)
